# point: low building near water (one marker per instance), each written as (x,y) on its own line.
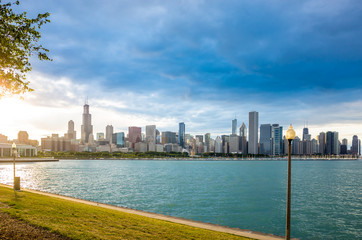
(23,150)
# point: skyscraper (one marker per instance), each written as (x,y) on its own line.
(329,144)
(354,148)
(200,138)
(151,134)
(225,143)
(322,143)
(265,139)
(181,134)
(71,133)
(253,132)
(242,130)
(306,135)
(109,133)
(23,137)
(277,136)
(87,127)
(344,146)
(118,139)
(243,140)
(234,146)
(218,145)
(234,125)
(168,137)
(335,148)
(134,135)
(100,136)
(207,142)
(332,144)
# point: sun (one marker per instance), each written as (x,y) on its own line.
(14,112)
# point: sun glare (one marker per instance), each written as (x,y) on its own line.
(15,112)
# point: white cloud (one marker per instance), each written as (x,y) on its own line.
(56,100)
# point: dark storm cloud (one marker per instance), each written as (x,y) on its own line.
(222,51)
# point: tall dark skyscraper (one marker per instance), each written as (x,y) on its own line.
(322,143)
(87,127)
(306,135)
(207,142)
(332,146)
(181,134)
(329,144)
(277,136)
(265,139)
(354,148)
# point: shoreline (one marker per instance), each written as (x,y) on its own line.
(24,160)
(218,159)
(192,223)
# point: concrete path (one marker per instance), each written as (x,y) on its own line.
(209,226)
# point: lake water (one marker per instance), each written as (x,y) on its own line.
(326,195)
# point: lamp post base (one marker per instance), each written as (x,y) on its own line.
(17,183)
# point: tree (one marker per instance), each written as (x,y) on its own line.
(19,38)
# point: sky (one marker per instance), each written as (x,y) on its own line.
(200,62)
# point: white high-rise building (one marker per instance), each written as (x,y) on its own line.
(109,133)
(151,134)
(253,132)
(218,145)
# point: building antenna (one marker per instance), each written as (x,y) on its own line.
(86,100)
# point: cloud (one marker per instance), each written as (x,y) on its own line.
(239,46)
(202,62)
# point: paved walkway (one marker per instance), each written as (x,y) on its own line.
(209,226)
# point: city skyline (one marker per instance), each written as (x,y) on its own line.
(194,62)
(149,131)
(272,140)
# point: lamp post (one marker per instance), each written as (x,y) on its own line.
(13,146)
(290,136)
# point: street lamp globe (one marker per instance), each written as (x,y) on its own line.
(13,146)
(290,133)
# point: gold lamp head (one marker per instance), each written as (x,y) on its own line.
(290,133)
(13,146)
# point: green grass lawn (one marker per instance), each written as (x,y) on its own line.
(82,221)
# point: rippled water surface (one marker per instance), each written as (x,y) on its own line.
(326,195)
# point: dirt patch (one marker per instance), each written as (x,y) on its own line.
(12,228)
